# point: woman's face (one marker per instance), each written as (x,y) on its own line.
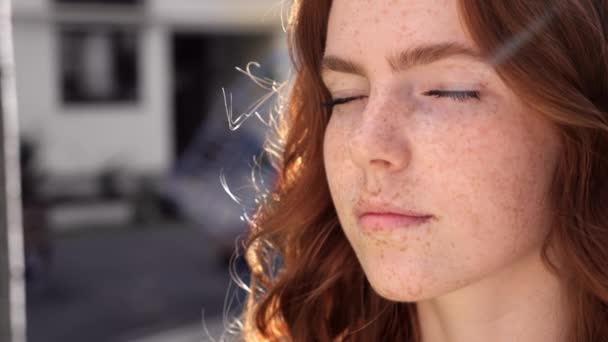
(433,131)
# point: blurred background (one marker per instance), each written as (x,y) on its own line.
(135,189)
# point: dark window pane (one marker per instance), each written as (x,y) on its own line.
(98,64)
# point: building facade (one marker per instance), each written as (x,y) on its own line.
(97,79)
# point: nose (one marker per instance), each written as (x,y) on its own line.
(380,139)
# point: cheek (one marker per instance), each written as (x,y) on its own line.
(335,160)
(499,184)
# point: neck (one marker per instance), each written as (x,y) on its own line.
(524,302)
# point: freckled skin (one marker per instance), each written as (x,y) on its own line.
(482,167)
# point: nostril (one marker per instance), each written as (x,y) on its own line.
(380,162)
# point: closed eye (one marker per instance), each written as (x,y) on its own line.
(458,95)
(341,100)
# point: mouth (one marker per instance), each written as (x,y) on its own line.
(385,222)
(383,216)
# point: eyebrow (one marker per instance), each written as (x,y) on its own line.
(419,55)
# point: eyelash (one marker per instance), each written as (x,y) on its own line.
(342,100)
(457,95)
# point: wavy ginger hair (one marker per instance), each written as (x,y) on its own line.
(306,283)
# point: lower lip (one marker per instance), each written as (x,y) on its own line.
(390,222)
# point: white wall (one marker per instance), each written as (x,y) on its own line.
(218,14)
(32,42)
(29,5)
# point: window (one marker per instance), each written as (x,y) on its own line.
(98,63)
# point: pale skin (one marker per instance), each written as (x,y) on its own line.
(473,155)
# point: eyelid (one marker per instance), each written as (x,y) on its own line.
(331,77)
(342,100)
(346,92)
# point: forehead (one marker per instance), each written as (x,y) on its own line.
(366,28)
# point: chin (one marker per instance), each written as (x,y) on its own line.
(401,295)
(388,286)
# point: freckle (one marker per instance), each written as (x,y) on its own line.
(453,244)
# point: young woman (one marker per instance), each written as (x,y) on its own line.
(443,175)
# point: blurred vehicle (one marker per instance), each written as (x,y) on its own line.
(221,175)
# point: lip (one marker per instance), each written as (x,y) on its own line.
(378,216)
(374,222)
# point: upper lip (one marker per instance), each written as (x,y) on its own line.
(378,206)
